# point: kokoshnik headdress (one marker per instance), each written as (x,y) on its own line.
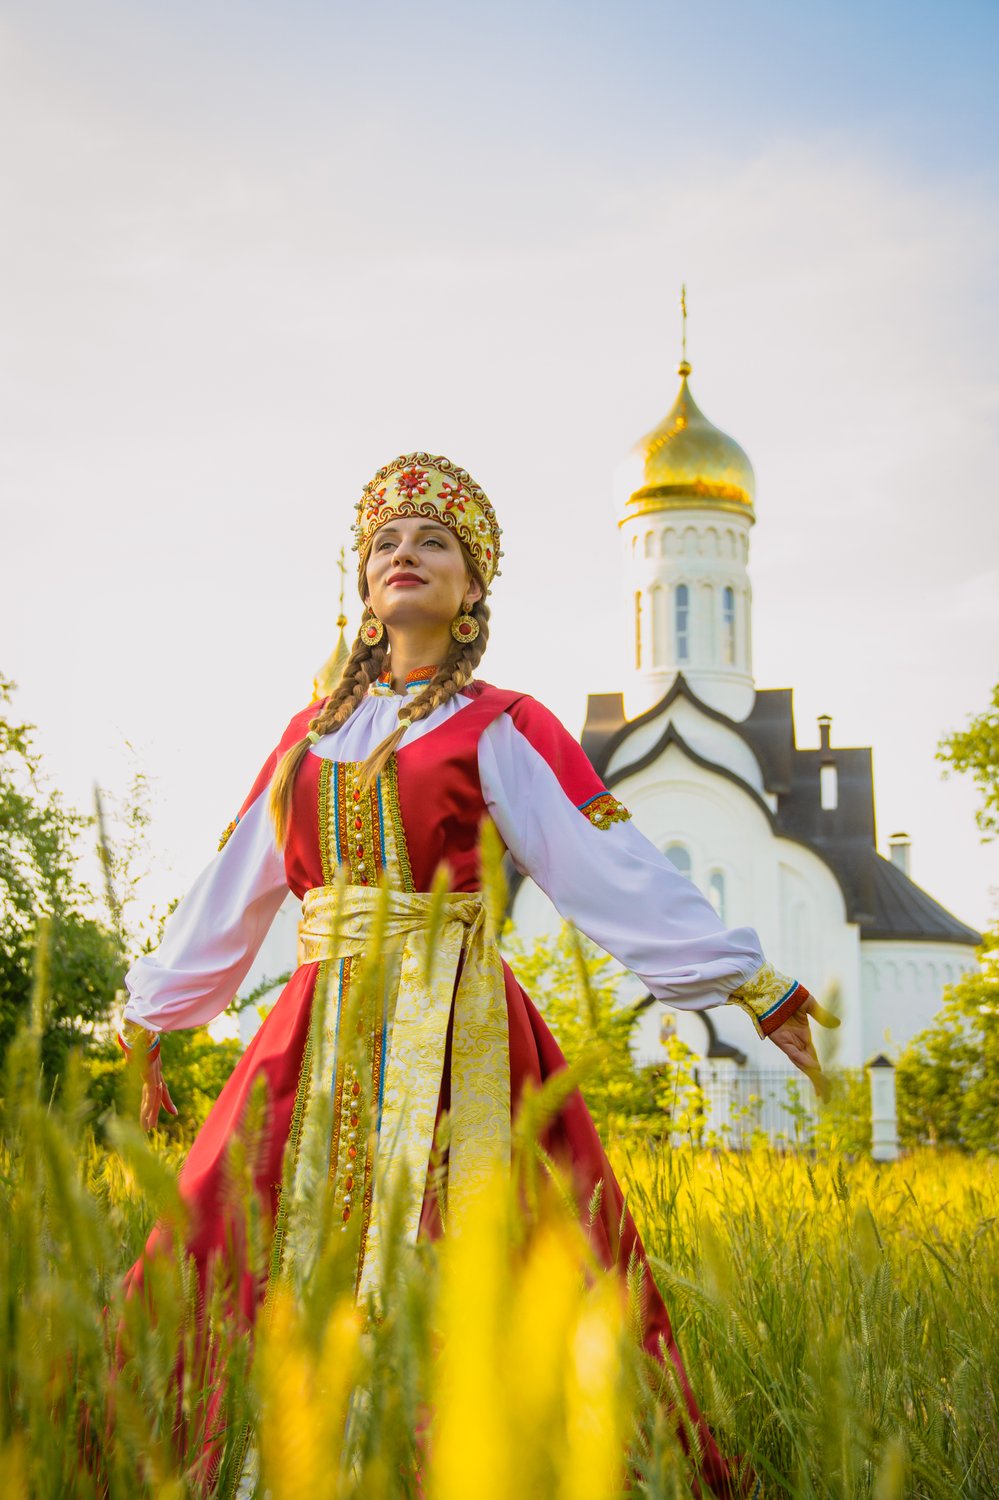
(420,484)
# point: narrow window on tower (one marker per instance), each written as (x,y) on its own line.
(828,788)
(638,631)
(682,611)
(728,626)
(716,893)
(679,857)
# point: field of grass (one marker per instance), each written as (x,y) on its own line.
(840,1322)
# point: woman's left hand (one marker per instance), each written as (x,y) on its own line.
(794,1038)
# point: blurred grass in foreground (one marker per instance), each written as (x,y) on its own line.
(839,1322)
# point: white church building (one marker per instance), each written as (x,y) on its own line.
(779,838)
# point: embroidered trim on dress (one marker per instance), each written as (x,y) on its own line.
(604,809)
(415,681)
(228,833)
(389,780)
(329,865)
(356,1104)
(360,844)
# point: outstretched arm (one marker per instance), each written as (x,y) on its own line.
(210,940)
(577,842)
(212,937)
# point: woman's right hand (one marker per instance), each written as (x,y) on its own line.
(155,1094)
(794,1038)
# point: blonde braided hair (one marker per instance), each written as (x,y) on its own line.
(364,666)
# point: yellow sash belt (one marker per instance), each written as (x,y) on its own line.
(338,922)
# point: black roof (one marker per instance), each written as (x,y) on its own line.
(879,897)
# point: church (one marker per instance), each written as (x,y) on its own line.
(777,837)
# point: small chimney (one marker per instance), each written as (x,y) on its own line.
(825,729)
(899,847)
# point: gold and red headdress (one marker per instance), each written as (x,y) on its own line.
(420,484)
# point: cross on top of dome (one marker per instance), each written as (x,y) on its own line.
(686,461)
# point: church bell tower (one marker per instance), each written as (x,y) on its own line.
(685,510)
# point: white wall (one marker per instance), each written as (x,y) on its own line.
(903,987)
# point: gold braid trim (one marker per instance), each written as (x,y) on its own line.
(227,834)
(604,810)
(325,832)
(390,784)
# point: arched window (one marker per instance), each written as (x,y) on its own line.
(828,788)
(706,630)
(682,622)
(716,893)
(650,542)
(680,857)
(655,626)
(728,626)
(638,630)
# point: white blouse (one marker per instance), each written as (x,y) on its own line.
(612,883)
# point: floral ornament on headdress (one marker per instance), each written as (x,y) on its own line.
(420,484)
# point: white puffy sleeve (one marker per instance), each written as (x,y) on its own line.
(213,935)
(577,842)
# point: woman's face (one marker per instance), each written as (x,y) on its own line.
(416,574)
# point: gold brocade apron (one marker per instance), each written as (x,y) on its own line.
(375,1101)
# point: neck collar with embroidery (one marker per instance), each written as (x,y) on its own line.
(415,681)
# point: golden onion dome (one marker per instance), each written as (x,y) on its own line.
(687,461)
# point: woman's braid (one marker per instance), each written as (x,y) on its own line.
(362,667)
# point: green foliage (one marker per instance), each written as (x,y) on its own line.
(948,1076)
(573,984)
(195,1067)
(974,752)
(45,896)
(40,882)
(844,1119)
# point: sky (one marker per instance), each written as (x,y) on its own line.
(250,253)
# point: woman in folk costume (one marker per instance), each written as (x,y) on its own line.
(388,782)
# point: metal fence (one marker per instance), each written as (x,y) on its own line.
(744,1106)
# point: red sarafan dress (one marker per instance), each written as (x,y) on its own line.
(469,1041)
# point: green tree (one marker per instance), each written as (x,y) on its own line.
(573,984)
(42,891)
(948,1076)
(974,751)
(40,883)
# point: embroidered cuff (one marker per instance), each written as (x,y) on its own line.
(769,998)
(603,810)
(138,1039)
(227,835)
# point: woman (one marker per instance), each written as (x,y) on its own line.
(387,783)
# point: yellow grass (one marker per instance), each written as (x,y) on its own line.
(839,1322)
